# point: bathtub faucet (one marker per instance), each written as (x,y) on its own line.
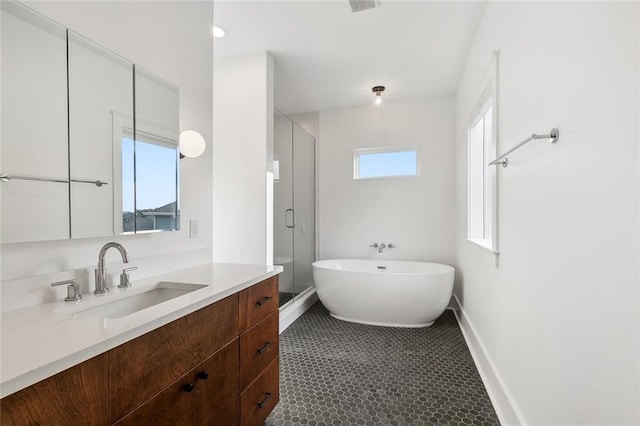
(382,246)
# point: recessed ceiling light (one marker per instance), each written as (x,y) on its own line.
(219,32)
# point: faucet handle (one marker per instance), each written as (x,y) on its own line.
(124,277)
(374,245)
(391,245)
(73,289)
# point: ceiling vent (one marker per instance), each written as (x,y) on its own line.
(358,5)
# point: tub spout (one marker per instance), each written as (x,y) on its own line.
(381,247)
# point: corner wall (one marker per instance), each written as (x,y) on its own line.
(416,214)
(558,320)
(243,150)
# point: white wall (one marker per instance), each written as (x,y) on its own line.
(162,37)
(309,121)
(416,214)
(243,144)
(559,318)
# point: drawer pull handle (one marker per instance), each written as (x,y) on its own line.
(188,387)
(203,375)
(264,348)
(264,300)
(267,397)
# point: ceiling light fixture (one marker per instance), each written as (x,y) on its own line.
(378,91)
(359,5)
(219,32)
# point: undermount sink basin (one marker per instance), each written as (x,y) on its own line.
(118,304)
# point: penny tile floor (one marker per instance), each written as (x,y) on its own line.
(334,372)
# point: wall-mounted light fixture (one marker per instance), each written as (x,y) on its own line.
(219,32)
(192,144)
(378,91)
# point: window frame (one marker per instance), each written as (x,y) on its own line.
(486,98)
(357,152)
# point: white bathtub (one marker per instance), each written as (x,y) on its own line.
(384,292)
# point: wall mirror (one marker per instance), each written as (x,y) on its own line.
(156,153)
(82,155)
(34,145)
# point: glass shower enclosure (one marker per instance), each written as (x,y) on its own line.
(294,206)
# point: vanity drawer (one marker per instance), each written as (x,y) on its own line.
(258,301)
(259,399)
(206,395)
(258,347)
(144,366)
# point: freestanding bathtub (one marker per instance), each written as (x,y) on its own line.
(391,293)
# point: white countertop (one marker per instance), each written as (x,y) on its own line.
(40,341)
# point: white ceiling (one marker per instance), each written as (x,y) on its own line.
(328,57)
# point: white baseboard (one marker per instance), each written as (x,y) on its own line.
(506,409)
(295,309)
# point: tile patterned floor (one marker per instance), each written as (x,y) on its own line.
(339,373)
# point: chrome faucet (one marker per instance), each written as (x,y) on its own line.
(101,272)
(382,246)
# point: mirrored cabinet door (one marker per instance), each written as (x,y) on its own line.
(156,153)
(100,117)
(34,187)
(81,154)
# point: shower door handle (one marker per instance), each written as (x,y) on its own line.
(293,218)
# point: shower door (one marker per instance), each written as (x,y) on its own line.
(304,206)
(294,206)
(283,217)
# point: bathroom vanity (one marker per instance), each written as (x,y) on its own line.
(210,358)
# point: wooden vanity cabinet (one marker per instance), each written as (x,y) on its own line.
(261,397)
(74,396)
(207,395)
(216,366)
(258,348)
(259,351)
(258,301)
(141,368)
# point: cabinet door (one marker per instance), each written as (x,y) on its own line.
(34,203)
(206,395)
(219,393)
(74,396)
(100,116)
(141,368)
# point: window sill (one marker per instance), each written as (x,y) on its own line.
(483,243)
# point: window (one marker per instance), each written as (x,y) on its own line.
(481,150)
(375,163)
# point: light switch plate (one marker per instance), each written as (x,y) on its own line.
(194,229)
